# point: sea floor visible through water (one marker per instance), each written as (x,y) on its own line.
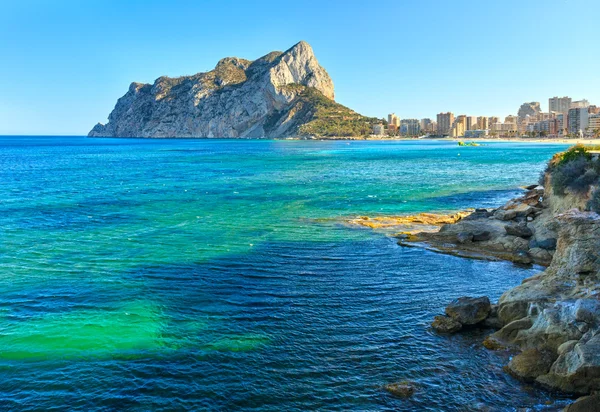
(220,275)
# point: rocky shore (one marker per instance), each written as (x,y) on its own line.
(552,320)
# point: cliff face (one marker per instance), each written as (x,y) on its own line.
(239,98)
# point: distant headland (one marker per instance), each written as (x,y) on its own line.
(277,96)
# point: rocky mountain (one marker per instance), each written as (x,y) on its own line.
(279,95)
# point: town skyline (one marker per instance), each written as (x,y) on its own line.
(564,117)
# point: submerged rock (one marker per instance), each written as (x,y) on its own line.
(402,389)
(469,311)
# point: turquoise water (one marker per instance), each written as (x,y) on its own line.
(219,275)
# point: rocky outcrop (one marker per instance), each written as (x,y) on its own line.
(559,309)
(553,318)
(520,231)
(269,97)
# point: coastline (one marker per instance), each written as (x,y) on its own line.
(551,322)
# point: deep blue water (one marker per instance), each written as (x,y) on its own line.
(220,275)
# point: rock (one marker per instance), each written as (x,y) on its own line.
(524,210)
(586,404)
(269,97)
(493,322)
(481,236)
(445,324)
(402,389)
(540,255)
(493,344)
(520,230)
(510,332)
(469,311)
(502,214)
(511,311)
(547,244)
(522,257)
(530,364)
(577,370)
(567,346)
(464,237)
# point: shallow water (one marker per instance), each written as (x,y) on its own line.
(219,275)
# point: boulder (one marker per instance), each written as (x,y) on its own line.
(445,324)
(520,230)
(402,389)
(530,364)
(502,214)
(469,311)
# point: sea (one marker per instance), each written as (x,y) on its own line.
(222,275)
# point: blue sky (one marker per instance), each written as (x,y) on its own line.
(64,63)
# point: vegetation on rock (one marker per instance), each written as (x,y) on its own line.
(575,171)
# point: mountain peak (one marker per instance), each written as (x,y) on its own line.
(238,98)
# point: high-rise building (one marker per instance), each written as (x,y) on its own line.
(410,127)
(427,125)
(471,122)
(492,120)
(511,119)
(393,123)
(444,123)
(559,104)
(578,119)
(483,123)
(459,127)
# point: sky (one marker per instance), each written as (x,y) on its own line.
(64,63)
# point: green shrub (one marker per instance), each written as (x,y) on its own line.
(564,175)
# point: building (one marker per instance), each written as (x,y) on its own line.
(444,123)
(410,127)
(459,127)
(594,124)
(579,104)
(427,126)
(561,120)
(471,123)
(492,120)
(511,119)
(578,120)
(379,130)
(393,123)
(483,123)
(559,104)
